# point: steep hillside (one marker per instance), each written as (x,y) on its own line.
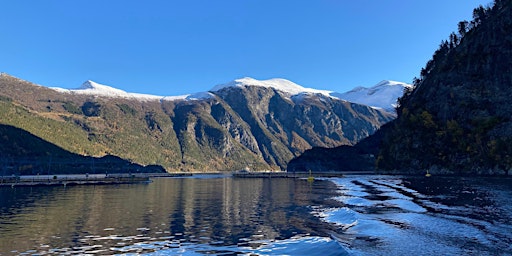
(243,123)
(358,158)
(284,127)
(26,154)
(458,117)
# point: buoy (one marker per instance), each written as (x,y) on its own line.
(310,178)
(428,174)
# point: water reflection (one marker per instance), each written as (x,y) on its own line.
(164,214)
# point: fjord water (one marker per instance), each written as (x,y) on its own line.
(354,215)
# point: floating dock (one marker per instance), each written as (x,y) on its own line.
(296,174)
(73,179)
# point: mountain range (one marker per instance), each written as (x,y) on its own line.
(383,95)
(243,123)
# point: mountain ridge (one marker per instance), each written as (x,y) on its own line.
(360,94)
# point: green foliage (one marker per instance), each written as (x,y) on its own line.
(125,108)
(59,133)
(428,120)
(72,108)
(90,108)
(151,121)
(484,124)
(458,115)
(5,98)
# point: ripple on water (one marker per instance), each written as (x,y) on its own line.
(343,217)
(407,225)
(405,205)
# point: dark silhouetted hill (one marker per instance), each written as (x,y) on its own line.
(457,118)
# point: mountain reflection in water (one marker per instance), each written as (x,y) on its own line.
(354,215)
(168,213)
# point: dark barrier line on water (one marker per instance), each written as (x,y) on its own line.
(296,174)
(73,179)
(98,179)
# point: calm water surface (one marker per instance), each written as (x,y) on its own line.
(205,215)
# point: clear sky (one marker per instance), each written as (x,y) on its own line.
(167,47)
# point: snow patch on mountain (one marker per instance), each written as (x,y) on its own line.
(93,88)
(96,89)
(194,96)
(383,95)
(279,84)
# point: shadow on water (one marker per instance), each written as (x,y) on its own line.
(13,199)
(477,195)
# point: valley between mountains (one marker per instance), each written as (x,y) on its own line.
(250,123)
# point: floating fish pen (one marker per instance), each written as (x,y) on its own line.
(289,174)
(69,180)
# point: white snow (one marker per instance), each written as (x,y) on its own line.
(383,95)
(93,88)
(279,84)
(194,96)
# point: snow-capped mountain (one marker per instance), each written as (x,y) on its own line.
(383,95)
(265,123)
(92,88)
(279,84)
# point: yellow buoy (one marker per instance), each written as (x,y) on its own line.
(310,178)
(428,174)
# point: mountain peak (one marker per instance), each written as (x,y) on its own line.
(279,84)
(382,95)
(391,83)
(89,84)
(91,87)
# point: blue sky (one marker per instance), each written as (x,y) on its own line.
(167,47)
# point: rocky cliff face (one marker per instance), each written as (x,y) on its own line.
(223,130)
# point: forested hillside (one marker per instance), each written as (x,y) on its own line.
(457,117)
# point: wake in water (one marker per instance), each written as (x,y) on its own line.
(354,215)
(419,216)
